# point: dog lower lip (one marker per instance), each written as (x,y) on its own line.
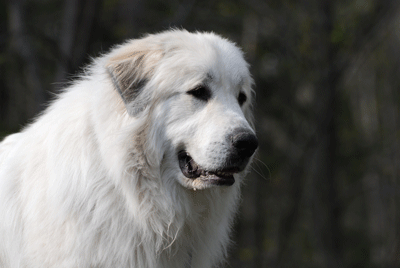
(220,180)
(192,170)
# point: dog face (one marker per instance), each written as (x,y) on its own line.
(195,90)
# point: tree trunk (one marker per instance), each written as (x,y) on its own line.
(326,207)
(27,94)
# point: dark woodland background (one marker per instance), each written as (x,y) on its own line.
(325,188)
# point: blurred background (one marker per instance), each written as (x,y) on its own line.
(324,190)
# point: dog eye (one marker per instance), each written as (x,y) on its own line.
(242,98)
(201,93)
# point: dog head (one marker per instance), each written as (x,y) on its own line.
(195,92)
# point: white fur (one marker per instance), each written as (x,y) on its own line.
(95,182)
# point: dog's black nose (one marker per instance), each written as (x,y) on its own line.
(245,143)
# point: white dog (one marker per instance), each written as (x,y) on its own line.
(137,164)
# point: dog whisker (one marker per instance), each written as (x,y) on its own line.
(256,162)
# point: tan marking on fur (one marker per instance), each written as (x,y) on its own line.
(130,69)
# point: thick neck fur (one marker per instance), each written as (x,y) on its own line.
(149,214)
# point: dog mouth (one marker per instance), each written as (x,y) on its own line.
(190,169)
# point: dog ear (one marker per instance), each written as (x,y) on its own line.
(130,73)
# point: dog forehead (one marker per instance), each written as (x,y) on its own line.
(208,53)
(225,61)
(231,57)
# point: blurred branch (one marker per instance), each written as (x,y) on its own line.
(88,15)
(373,27)
(290,220)
(67,37)
(372,34)
(75,35)
(21,44)
(250,35)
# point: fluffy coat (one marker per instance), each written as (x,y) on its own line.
(94,181)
